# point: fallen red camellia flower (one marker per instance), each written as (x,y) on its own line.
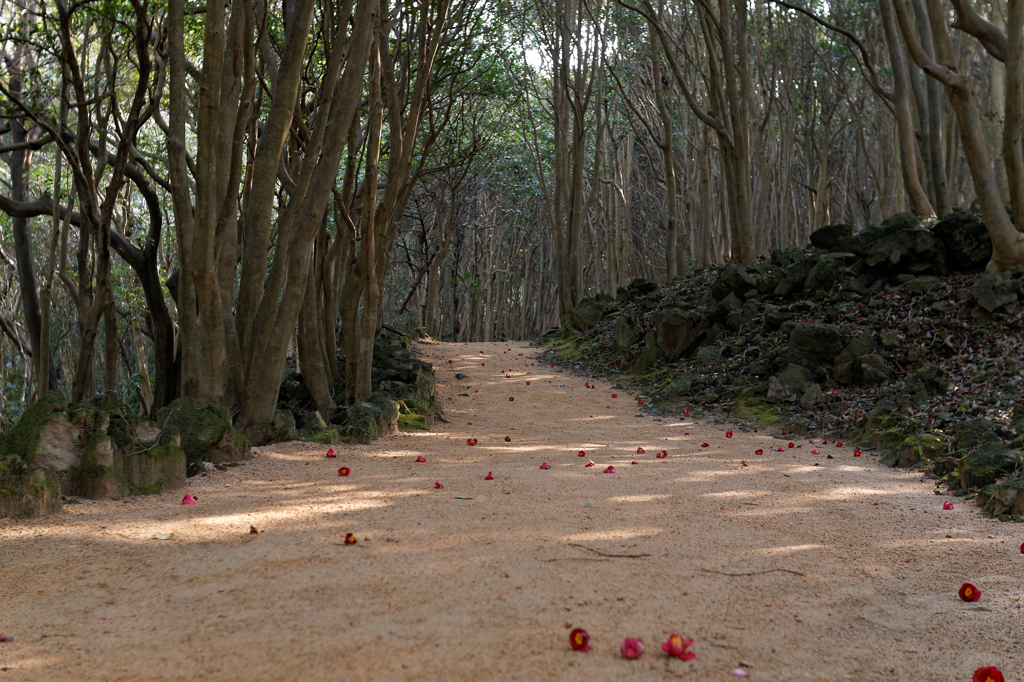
(344,471)
(705,445)
(510,398)
(728,434)
(781,449)
(947,505)
(579,640)
(438,485)
(856,453)
(792,445)
(759,451)
(640,401)
(330,453)
(1022,548)
(587,384)
(449,362)
(489,476)
(634,462)
(5,638)
(969,592)
(507,439)
(581,454)
(421,458)
(744,463)
(615,395)
(677,646)
(639,451)
(471,441)
(589,463)
(989,673)
(839,444)
(527,383)
(632,647)
(662,455)
(815,451)
(253,531)
(350,539)
(188,499)
(610,470)
(544,465)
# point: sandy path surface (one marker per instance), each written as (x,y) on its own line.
(841,569)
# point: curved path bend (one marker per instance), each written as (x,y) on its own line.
(795,567)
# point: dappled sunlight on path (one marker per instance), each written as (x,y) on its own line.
(795,565)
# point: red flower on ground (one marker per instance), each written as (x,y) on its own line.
(640,401)
(449,362)
(792,445)
(587,384)
(581,454)
(947,505)
(639,451)
(634,462)
(589,463)
(253,530)
(350,539)
(330,453)
(471,441)
(781,449)
(815,451)
(1022,548)
(969,592)
(677,646)
(610,470)
(632,647)
(989,673)
(839,444)
(662,455)
(759,451)
(744,463)
(728,434)
(507,439)
(579,640)
(344,471)
(489,476)
(188,499)
(527,383)
(705,445)
(438,485)
(856,453)
(544,465)
(421,458)
(510,398)
(615,395)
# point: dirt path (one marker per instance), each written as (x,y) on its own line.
(840,568)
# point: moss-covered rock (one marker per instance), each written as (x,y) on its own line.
(921,446)
(988,463)
(1006,498)
(33,494)
(207,434)
(155,469)
(412,422)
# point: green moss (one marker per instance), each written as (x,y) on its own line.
(22,440)
(761,414)
(412,422)
(644,362)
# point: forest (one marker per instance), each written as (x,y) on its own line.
(195,195)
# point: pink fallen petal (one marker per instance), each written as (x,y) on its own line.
(438,484)
(782,449)
(421,458)
(740,672)
(815,451)
(489,476)
(947,505)
(544,465)
(188,499)
(610,470)
(632,647)
(634,462)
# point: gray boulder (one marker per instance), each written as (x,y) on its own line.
(833,237)
(813,345)
(968,246)
(997,292)
(733,279)
(678,333)
(796,378)
(871,371)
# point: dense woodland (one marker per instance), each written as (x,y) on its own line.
(192,193)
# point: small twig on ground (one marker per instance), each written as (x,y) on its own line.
(614,556)
(574,559)
(737,575)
